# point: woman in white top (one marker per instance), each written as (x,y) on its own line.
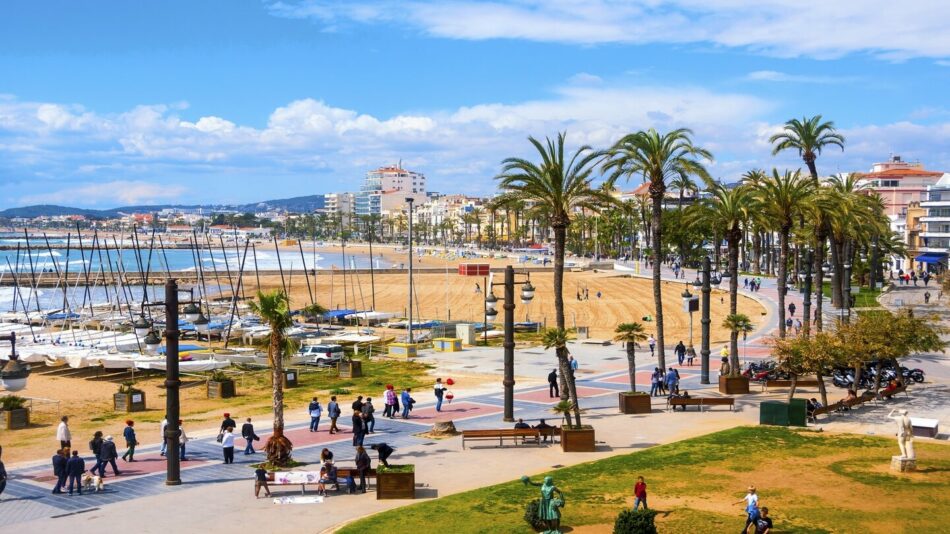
(63,434)
(227,444)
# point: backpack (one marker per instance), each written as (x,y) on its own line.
(350,484)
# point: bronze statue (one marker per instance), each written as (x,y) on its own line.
(549,508)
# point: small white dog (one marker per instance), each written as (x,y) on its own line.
(90,482)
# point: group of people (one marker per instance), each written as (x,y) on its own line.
(905,279)
(684,353)
(664,383)
(227,436)
(752,285)
(756,516)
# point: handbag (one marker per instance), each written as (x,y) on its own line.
(220,437)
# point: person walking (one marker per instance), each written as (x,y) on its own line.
(640,494)
(358,404)
(359,428)
(227,422)
(260,481)
(670,381)
(59,471)
(406,398)
(130,442)
(553,390)
(652,342)
(315,411)
(389,399)
(367,412)
(95,445)
(798,327)
(163,426)
(75,467)
(182,442)
(751,501)
(690,355)
(109,455)
(227,445)
(791,309)
(247,432)
(572,364)
(680,351)
(655,382)
(763,525)
(334,412)
(927,297)
(362,466)
(439,391)
(63,434)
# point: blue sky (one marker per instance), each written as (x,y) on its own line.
(112,103)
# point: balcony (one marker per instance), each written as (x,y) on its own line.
(935,204)
(936,219)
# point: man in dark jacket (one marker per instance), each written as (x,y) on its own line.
(75,467)
(362,466)
(247,432)
(108,454)
(384,451)
(552,385)
(95,445)
(59,471)
(227,422)
(359,428)
(358,404)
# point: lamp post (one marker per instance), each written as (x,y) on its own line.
(14,374)
(847,290)
(704,322)
(527,293)
(690,304)
(806,302)
(410,200)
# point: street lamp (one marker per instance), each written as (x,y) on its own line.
(142,326)
(152,341)
(191,313)
(690,304)
(410,200)
(14,374)
(806,302)
(527,293)
(491,311)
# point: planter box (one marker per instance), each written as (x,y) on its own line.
(14,419)
(290,379)
(577,439)
(733,385)
(395,485)
(129,402)
(350,369)
(634,402)
(403,350)
(221,390)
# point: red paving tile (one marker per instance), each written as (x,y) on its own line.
(643,379)
(454,411)
(144,465)
(543,397)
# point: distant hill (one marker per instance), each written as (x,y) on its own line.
(304,204)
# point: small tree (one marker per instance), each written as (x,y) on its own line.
(735,323)
(557,338)
(630,334)
(635,522)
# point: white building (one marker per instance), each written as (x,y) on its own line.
(935,238)
(386,189)
(343,204)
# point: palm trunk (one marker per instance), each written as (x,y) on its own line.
(278,447)
(632,364)
(757,253)
(733,240)
(819,281)
(560,234)
(837,272)
(782,277)
(657,261)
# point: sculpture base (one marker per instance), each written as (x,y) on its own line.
(903,465)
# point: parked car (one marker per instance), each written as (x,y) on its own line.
(322,355)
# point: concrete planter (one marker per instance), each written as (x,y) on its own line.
(733,385)
(577,439)
(395,485)
(14,419)
(350,369)
(129,402)
(631,403)
(221,390)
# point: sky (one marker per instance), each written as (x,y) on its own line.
(112,103)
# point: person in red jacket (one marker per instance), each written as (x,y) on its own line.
(640,494)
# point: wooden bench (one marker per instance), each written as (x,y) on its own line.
(532,435)
(801,383)
(673,402)
(343,472)
(888,394)
(313,478)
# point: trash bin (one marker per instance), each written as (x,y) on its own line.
(773,413)
(290,379)
(797,412)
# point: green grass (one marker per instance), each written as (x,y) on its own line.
(811,482)
(864,299)
(393,468)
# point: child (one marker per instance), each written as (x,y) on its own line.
(640,494)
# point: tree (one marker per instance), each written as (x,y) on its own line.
(659,158)
(630,334)
(273,309)
(562,186)
(800,355)
(735,323)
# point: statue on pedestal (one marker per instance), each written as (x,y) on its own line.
(905,433)
(724,368)
(549,508)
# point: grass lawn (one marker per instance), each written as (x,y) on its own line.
(864,299)
(811,482)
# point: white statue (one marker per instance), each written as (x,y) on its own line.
(905,433)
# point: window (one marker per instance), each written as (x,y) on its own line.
(890,183)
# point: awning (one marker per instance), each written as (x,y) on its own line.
(932,257)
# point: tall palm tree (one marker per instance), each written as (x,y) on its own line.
(273,308)
(683,183)
(735,323)
(630,334)
(781,200)
(477,214)
(562,186)
(728,209)
(659,158)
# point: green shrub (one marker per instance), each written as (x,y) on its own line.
(531,515)
(339,391)
(218,376)
(393,468)
(128,388)
(635,522)
(12,402)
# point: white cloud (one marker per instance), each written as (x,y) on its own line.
(784,77)
(814,28)
(119,192)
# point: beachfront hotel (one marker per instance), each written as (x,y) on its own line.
(386,189)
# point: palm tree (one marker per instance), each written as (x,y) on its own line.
(562,186)
(630,334)
(659,158)
(781,199)
(808,136)
(683,183)
(477,214)
(735,323)
(273,308)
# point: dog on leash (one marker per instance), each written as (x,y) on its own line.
(90,482)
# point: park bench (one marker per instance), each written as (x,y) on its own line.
(343,472)
(822,410)
(800,383)
(312,478)
(672,403)
(888,394)
(526,435)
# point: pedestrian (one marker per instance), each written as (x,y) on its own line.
(751,501)
(788,323)
(384,451)
(478,289)
(334,412)
(368,411)
(913,277)
(572,363)
(927,297)
(439,391)
(389,400)
(359,428)
(75,467)
(652,342)
(598,294)
(676,383)
(247,432)
(763,525)
(162,432)
(227,422)
(406,402)
(690,354)
(182,442)
(798,327)
(362,466)
(315,411)
(553,390)
(260,481)
(130,442)
(108,455)
(745,283)
(63,434)
(655,382)
(680,351)
(670,381)
(227,445)
(640,494)
(59,471)
(95,445)
(358,404)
